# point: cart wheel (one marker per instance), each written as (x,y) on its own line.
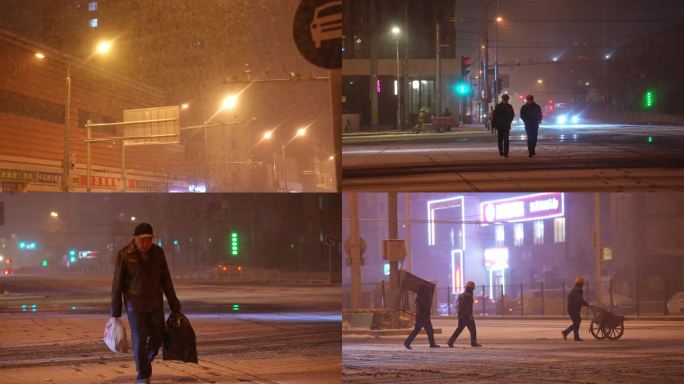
(596,331)
(616,333)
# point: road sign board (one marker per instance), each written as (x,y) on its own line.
(156,124)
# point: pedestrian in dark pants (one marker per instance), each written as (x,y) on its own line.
(575,303)
(531,115)
(465,316)
(142,276)
(502,117)
(423,304)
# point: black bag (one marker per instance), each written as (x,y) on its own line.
(179,339)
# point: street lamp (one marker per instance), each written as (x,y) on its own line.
(267,135)
(540,81)
(102,48)
(54,214)
(301,132)
(396,32)
(496,54)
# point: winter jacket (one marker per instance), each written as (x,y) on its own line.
(576,300)
(531,114)
(142,281)
(465,305)
(503,116)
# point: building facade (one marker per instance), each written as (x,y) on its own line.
(33,95)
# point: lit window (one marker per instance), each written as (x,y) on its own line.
(500,236)
(386,269)
(518,234)
(539,232)
(93,23)
(92,6)
(559,230)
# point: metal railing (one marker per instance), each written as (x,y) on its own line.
(633,297)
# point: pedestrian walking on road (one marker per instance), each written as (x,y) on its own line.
(575,303)
(423,305)
(465,316)
(142,276)
(531,115)
(502,117)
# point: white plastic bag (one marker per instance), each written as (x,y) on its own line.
(115,335)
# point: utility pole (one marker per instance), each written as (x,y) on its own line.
(67,121)
(373,66)
(408,232)
(597,245)
(355,250)
(485,60)
(438,73)
(394,265)
(496,56)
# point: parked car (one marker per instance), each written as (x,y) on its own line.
(675,306)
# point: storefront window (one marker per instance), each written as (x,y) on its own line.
(559,230)
(539,232)
(500,235)
(518,234)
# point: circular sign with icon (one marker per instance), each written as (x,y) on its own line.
(317,31)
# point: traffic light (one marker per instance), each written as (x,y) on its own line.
(465,66)
(44,263)
(649,99)
(234,244)
(175,242)
(462,88)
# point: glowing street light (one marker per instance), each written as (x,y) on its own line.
(103,47)
(499,19)
(396,32)
(39,55)
(540,81)
(301,132)
(132,218)
(268,135)
(185,106)
(229,102)
(54,214)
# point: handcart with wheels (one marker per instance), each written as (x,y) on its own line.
(605,324)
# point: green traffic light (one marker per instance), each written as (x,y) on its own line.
(649,99)
(462,89)
(650,140)
(44,263)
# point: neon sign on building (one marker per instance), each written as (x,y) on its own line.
(537,206)
(435,205)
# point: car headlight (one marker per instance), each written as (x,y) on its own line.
(575,119)
(562,119)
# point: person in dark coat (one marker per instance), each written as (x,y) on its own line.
(531,115)
(142,277)
(502,117)
(465,316)
(575,303)
(423,305)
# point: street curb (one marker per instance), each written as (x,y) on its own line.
(382,332)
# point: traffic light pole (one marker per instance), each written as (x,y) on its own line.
(485,60)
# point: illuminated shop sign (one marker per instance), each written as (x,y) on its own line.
(496,258)
(456,203)
(523,208)
(456,271)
